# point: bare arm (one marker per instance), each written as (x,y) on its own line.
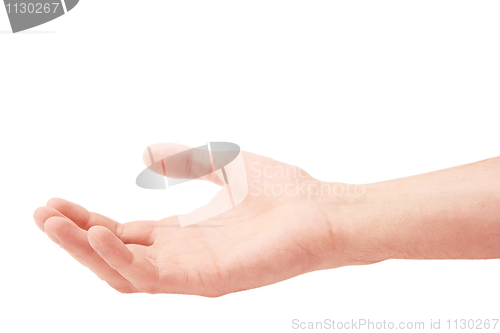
(447,214)
(289,224)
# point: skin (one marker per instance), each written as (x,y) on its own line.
(272,236)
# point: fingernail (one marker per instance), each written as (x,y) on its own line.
(54,239)
(95,244)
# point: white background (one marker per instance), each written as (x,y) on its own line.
(352,91)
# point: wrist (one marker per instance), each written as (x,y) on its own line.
(447,214)
(360,232)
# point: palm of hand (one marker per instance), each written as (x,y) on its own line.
(277,232)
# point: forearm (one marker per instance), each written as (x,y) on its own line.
(447,214)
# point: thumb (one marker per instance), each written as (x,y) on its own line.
(178,163)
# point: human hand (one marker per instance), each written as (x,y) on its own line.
(289,224)
(280,230)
